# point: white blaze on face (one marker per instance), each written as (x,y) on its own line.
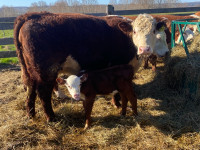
(161,47)
(144,37)
(73,85)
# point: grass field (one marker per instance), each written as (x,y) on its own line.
(6,33)
(11,47)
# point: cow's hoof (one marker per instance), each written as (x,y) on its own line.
(123,114)
(31,114)
(135,114)
(51,119)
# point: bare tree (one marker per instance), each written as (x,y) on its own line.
(113,2)
(89,2)
(38,6)
(60,6)
(6,11)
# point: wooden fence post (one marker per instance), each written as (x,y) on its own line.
(110,10)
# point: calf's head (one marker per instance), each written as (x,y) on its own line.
(144,33)
(73,84)
(161,47)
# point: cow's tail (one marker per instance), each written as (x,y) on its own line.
(17,26)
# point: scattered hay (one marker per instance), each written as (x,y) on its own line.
(182,72)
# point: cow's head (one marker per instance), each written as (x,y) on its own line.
(188,35)
(144,33)
(73,84)
(161,47)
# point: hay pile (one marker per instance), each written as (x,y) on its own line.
(183,73)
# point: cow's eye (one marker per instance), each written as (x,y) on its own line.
(134,32)
(69,87)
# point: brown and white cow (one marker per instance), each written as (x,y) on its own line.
(87,85)
(189,34)
(167,19)
(148,38)
(47,43)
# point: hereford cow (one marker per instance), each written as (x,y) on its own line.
(148,37)
(189,32)
(89,84)
(49,43)
(167,19)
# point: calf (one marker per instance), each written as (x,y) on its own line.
(102,82)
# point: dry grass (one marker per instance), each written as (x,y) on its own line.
(182,72)
(167,119)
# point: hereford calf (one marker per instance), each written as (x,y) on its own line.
(104,81)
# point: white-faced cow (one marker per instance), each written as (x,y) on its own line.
(88,84)
(151,35)
(47,43)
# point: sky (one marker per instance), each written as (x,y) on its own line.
(27,3)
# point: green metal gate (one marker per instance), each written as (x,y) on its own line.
(178,23)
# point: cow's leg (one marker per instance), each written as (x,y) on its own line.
(44,93)
(146,65)
(115,100)
(152,60)
(88,104)
(30,88)
(30,100)
(58,92)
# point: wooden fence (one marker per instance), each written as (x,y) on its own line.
(7,23)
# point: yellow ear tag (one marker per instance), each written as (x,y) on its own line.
(162,29)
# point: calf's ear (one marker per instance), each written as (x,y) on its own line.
(84,77)
(60,80)
(125,26)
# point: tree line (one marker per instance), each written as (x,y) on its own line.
(88,6)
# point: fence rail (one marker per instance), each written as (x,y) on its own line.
(161,10)
(7,54)
(6,41)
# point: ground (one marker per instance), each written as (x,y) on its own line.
(167,119)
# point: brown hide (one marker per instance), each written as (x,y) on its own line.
(44,41)
(105,82)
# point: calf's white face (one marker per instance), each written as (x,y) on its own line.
(144,37)
(161,47)
(73,84)
(188,35)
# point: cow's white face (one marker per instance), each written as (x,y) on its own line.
(188,35)
(73,84)
(144,37)
(161,47)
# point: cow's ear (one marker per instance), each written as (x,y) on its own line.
(125,26)
(60,80)
(161,26)
(84,77)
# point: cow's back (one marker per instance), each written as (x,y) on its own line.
(49,38)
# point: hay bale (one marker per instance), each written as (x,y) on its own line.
(183,73)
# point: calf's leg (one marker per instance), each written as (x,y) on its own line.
(115,100)
(131,96)
(124,103)
(58,92)
(88,104)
